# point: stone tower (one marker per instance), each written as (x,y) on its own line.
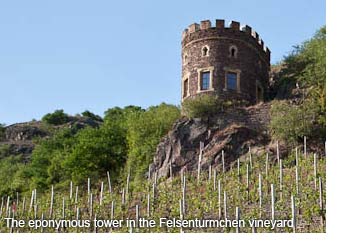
(230,62)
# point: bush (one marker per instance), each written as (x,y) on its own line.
(292,122)
(204,106)
(145,128)
(92,116)
(8,168)
(56,118)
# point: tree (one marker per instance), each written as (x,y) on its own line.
(92,116)
(9,166)
(96,151)
(58,117)
(144,131)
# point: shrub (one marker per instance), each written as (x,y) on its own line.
(92,116)
(58,117)
(144,131)
(204,106)
(292,122)
(8,168)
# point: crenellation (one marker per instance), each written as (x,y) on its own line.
(205,24)
(220,24)
(268,53)
(255,35)
(193,27)
(261,42)
(234,25)
(247,29)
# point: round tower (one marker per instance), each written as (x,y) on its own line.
(230,62)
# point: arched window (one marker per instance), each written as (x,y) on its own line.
(205,51)
(185,88)
(185,58)
(233,51)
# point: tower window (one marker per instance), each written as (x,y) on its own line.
(185,88)
(259,92)
(233,51)
(185,58)
(205,80)
(205,51)
(231,80)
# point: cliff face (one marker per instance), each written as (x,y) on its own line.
(233,132)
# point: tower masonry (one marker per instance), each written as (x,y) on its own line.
(230,62)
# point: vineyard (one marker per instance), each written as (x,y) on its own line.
(252,187)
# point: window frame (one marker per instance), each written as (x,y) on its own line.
(185,58)
(200,71)
(202,80)
(208,51)
(228,70)
(186,77)
(228,80)
(259,85)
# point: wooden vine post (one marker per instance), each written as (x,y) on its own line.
(272,202)
(237,218)
(219,198)
(223,163)
(293,209)
(315,171)
(321,203)
(260,193)
(281,179)
(297,172)
(51,203)
(109,184)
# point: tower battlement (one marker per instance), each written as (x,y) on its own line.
(221,25)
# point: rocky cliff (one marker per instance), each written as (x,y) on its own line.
(234,132)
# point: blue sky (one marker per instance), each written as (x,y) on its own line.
(81,55)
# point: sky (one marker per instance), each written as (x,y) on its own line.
(82,55)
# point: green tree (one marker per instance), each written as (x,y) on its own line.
(45,168)
(91,115)
(95,152)
(58,117)
(145,130)
(9,166)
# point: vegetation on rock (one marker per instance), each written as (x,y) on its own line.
(58,117)
(303,76)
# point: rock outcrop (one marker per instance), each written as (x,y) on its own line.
(233,132)
(20,138)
